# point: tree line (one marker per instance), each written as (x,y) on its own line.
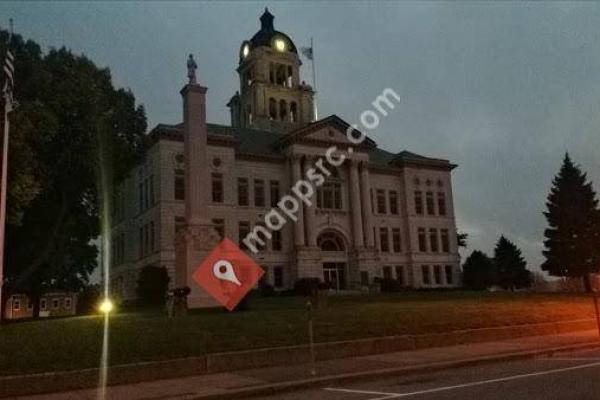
(571,240)
(68,110)
(506,269)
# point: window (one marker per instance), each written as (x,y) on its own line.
(422,240)
(445,241)
(293,112)
(179,184)
(396,243)
(393,202)
(259,193)
(276,241)
(330,241)
(141,244)
(383,240)
(29,304)
(152,199)
(55,304)
(441,198)
(274,192)
(217,188)
(219,227)
(16,304)
(364,278)
(449,275)
(146,239)
(381,201)
(278,277)
(330,196)
(433,240)
(179,224)
(242,191)
(67,303)
(141,196)
(437,274)
(429,201)
(419,202)
(272,109)
(43,305)
(400,274)
(282,110)
(372,202)
(152,237)
(425,275)
(146,194)
(243,230)
(387,272)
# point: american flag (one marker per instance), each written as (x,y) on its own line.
(9,72)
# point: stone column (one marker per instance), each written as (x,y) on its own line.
(199,237)
(309,212)
(365,188)
(194,144)
(299,224)
(354,189)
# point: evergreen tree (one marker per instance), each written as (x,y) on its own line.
(572,239)
(478,271)
(510,265)
(152,285)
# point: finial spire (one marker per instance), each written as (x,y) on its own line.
(266,20)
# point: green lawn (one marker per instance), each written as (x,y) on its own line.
(72,343)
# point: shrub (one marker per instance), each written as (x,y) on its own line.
(266,290)
(306,286)
(390,285)
(152,285)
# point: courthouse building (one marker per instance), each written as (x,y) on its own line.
(382,214)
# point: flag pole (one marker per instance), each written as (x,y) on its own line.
(4,185)
(314,73)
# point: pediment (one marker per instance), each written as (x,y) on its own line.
(329,131)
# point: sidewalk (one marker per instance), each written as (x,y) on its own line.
(266,380)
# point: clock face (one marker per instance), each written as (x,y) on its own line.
(246,50)
(280,45)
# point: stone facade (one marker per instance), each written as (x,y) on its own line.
(379,215)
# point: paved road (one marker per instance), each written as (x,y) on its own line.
(569,376)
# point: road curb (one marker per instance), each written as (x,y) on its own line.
(281,387)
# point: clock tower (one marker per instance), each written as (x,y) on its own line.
(271,95)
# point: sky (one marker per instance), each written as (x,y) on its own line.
(502,89)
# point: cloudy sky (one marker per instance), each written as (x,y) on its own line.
(502,89)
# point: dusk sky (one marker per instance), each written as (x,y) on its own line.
(501,89)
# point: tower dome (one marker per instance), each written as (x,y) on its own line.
(267,36)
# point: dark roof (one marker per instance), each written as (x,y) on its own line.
(267,32)
(264,143)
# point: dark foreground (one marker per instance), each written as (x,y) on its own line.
(569,376)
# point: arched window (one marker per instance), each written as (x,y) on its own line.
(331,241)
(272,73)
(293,112)
(282,110)
(289,76)
(272,108)
(249,115)
(280,75)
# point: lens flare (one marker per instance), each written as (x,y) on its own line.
(106,306)
(105,192)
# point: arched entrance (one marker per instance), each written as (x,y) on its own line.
(335,259)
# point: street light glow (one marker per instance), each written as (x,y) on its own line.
(106,306)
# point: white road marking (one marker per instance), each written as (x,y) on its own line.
(466,385)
